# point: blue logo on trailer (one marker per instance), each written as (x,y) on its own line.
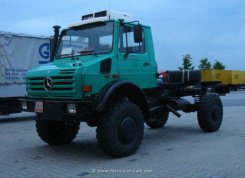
(44,52)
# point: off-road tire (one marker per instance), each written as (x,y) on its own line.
(158,120)
(210,113)
(120,129)
(54,132)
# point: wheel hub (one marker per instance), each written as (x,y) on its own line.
(127,130)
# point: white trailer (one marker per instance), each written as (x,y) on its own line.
(18,54)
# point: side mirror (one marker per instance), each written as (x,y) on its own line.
(138,35)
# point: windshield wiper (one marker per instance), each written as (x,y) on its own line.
(85,51)
(64,55)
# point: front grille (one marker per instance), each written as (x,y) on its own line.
(59,83)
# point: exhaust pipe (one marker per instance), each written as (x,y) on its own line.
(54,41)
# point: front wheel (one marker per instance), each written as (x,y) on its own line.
(121,128)
(210,113)
(56,132)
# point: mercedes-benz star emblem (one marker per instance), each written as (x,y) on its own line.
(48,84)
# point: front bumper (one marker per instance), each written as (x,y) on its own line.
(58,108)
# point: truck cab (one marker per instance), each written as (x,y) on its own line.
(94,53)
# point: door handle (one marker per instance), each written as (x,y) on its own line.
(146,63)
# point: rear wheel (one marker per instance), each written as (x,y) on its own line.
(121,128)
(158,120)
(210,113)
(56,132)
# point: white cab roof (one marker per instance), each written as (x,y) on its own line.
(103,16)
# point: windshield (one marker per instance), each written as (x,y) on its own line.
(85,40)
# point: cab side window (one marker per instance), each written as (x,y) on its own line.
(127,43)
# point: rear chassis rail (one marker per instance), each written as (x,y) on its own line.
(171,95)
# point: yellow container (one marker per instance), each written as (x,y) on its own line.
(216,76)
(226,77)
(237,77)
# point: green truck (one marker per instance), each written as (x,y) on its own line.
(103,72)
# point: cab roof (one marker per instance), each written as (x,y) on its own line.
(103,16)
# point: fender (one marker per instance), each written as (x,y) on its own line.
(133,92)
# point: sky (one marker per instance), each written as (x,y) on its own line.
(213,29)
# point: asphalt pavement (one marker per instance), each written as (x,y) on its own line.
(180,149)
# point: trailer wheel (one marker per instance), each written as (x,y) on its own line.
(158,120)
(210,113)
(56,133)
(120,130)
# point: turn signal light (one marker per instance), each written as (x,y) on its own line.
(87,88)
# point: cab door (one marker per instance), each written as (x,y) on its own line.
(133,60)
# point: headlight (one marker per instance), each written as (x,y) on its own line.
(24,105)
(71,108)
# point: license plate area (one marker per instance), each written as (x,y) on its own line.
(39,107)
